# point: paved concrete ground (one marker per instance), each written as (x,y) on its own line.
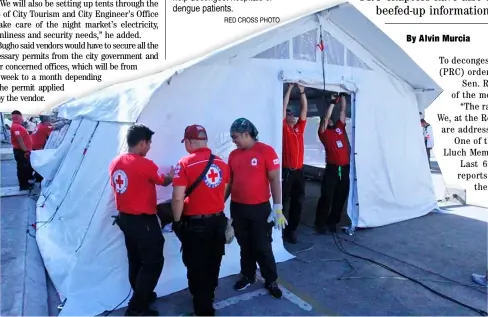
(438,250)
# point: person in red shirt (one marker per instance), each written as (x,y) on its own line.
(335,182)
(293,178)
(200,222)
(133,179)
(22,146)
(255,167)
(41,134)
(43,131)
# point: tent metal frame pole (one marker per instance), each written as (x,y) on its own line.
(352,202)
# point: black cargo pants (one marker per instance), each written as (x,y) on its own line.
(24,169)
(203,242)
(254,236)
(144,242)
(293,190)
(333,196)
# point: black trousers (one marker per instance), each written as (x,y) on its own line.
(144,242)
(203,241)
(293,191)
(254,236)
(24,169)
(428,154)
(333,196)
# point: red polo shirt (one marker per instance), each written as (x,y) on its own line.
(18,130)
(336,144)
(40,135)
(209,196)
(133,179)
(249,168)
(293,146)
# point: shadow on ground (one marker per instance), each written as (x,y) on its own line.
(439,251)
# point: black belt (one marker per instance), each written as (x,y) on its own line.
(204,216)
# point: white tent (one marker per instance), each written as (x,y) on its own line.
(85,255)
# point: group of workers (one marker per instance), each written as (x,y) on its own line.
(203,182)
(24,142)
(335,181)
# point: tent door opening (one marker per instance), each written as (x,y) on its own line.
(315,155)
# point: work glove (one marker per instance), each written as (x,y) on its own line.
(277,216)
(229,232)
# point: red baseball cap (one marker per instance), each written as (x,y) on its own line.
(194,132)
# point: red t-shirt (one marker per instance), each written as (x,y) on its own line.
(293,147)
(40,135)
(249,168)
(209,196)
(133,179)
(336,144)
(18,130)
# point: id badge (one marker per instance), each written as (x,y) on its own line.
(339,144)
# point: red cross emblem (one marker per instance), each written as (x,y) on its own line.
(120,181)
(213,177)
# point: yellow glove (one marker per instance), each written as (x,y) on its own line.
(277,216)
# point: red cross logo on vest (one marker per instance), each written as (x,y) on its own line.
(213,178)
(120,181)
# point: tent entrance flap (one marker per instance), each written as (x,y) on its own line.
(314,79)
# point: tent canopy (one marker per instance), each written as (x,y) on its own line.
(390,178)
(371,48)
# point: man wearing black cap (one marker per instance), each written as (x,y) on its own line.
(133,178)
(199,185)
(22,146)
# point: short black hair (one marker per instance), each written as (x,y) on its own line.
(16,112)
(137,133)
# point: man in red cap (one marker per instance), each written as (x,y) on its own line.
(134,178)
(199,185)
(22,145)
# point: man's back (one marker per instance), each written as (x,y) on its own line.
(133,179)
(18,130)
(40,135)
(208,196)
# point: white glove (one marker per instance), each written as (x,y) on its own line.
(277,216)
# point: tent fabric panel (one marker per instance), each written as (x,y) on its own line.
(47,161)
(220,94)
(97,266)
(54,249)
(394,182)
(119,103)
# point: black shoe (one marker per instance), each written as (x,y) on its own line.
(147,312)
(204,313)
(332,228)
(243,283)
(320,230)
(274,289)
(153,297)
(290,237)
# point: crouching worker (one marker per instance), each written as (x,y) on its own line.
(254,167)
(133,178)
(198,201)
